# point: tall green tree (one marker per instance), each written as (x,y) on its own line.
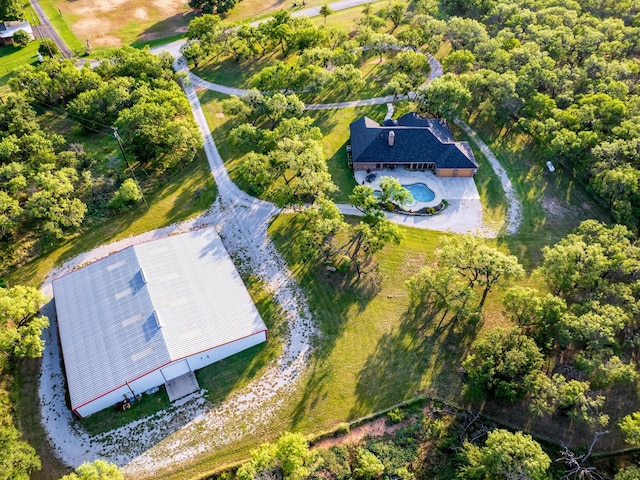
(372,233)
(18,459)
(504,363)
(505,455)
(212,6)
(630,426)
(54,205)
(445,96)
(322,221)
(20,323)
(439,291)
(478,263)
(11,10)
(325,11)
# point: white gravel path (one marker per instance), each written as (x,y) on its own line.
(514,209)
(192,425)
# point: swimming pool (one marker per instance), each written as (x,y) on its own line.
(420,192)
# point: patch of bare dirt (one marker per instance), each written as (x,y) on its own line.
(140,14)
(100,21)
(108,41)
(375,428)
(554,208)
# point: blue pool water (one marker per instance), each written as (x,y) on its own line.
(420,192)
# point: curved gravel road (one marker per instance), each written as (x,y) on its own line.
(192,426)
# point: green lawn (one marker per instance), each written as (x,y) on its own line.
(553,203)
(12,57)
(62,27)
(334,125)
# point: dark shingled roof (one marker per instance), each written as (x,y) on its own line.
(417,139)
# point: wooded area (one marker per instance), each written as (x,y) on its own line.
(564,75)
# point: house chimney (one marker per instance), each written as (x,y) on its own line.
(392,137)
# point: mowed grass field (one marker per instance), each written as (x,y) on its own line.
(123,22)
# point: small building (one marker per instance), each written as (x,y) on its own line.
(149,315)
(8,29)
(413,142)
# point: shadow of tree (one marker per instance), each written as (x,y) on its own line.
(422,355)
(172,25)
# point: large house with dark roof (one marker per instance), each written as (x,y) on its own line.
(413,142)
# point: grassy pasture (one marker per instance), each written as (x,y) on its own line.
(12,57)
(111,24)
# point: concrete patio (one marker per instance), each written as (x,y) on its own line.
(462,215)
(444,188)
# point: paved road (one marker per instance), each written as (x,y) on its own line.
(46,30)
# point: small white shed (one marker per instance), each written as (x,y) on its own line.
(148,314)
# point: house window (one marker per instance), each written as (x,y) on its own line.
(377,166)
(455,172)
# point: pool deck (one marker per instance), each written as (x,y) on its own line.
(446,188)
(462,215)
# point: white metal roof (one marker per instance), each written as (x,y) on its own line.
(8,29)
(147,305)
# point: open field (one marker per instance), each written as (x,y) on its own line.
(122,22)
(12,57)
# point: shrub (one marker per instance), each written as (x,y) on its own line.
(48,48)
(127,195)
(344,264)
(396,415)
(21,38)
(368,466)
(342,429)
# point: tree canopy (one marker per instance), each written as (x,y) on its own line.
(505,455)
(504,363)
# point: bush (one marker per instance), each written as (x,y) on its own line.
(342,429)
(368,466)
(127,195)
(344,264)
(396,415)
(48,48)
(21,38)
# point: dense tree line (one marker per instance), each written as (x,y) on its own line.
(565,73)
(589,320)
(49,186)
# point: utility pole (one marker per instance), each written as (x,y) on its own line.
(115,134)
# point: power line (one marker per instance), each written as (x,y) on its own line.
(115,134)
